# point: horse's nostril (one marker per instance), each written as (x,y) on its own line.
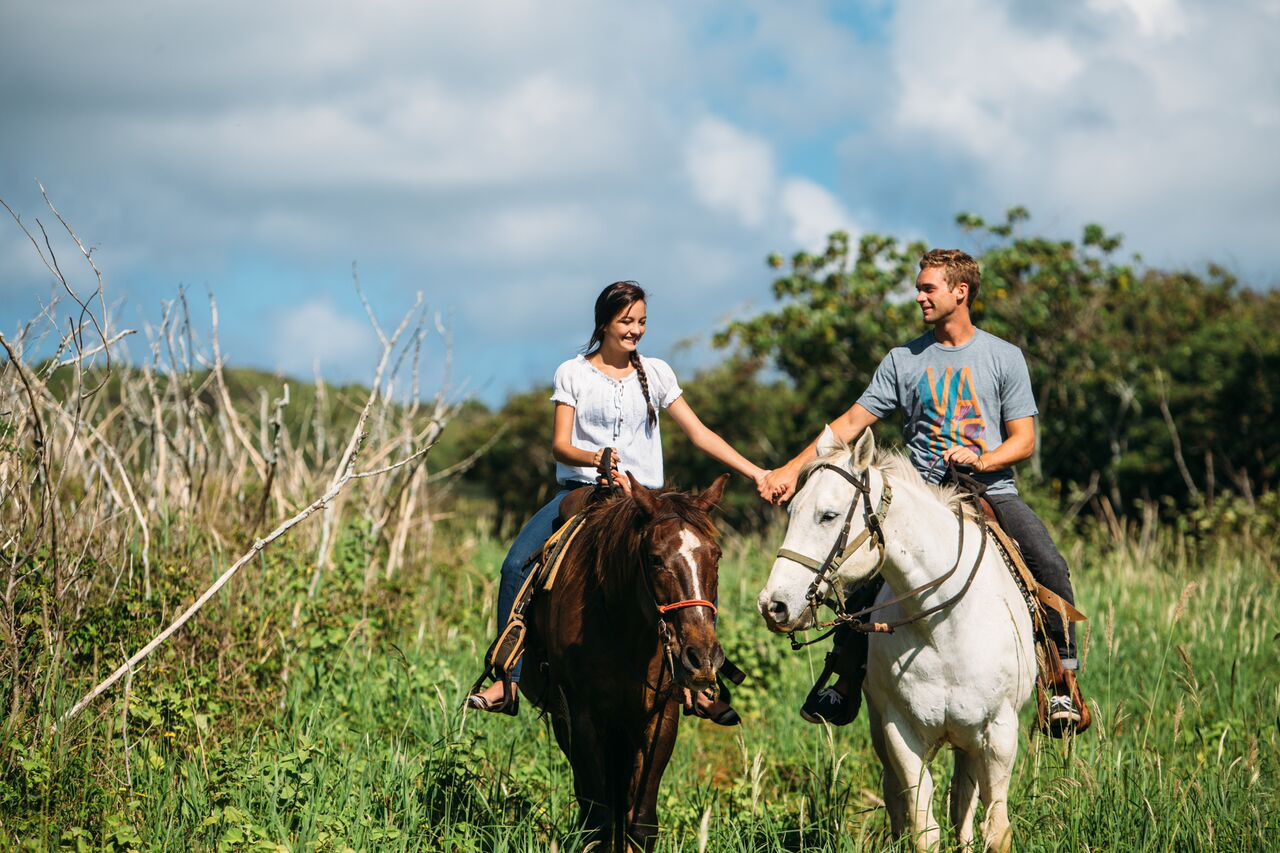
(778,610)
(691,659)
(717,657)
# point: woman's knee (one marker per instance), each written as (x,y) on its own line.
(512,564)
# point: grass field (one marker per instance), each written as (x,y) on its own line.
(365,748)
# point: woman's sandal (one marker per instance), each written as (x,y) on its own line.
(476,702)
(719,712)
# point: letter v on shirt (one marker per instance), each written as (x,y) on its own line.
(951,396)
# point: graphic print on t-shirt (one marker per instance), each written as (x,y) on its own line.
(949,404)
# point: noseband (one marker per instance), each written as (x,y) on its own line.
(842,550)
(874,530)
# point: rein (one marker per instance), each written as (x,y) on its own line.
(840,553)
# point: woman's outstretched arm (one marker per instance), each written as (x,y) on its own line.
(706,440)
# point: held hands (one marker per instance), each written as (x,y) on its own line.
(776,486)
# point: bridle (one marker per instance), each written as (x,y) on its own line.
(842,550)
(667,634)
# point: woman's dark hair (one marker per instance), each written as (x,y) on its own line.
(611,302)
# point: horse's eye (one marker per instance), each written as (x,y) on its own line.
(827,516)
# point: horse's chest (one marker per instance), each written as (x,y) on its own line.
(920,687)
(939,695)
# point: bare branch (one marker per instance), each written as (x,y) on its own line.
(324,500)
(116,338)
(1173,437)
(233,419)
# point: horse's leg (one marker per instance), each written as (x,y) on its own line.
(586,752)
(994,769)
(895,801)
(648,763)
(964,797)
(909,756)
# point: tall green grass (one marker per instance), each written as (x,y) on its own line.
(349,735)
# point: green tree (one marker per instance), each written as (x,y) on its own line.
(517,470)
(753,414)
(1149,382)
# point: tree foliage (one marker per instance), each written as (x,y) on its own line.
(1152,384)
(1127,362)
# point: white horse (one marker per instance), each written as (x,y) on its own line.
(959,676)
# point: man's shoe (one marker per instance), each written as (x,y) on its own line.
(1063,718)
(830,706)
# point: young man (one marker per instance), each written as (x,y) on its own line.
(965,398)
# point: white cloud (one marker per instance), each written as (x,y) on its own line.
(516,153)
(1141,114)
(1160,18)
(731,170)
(814,213)
(972,89)
(316,333)
(526,233)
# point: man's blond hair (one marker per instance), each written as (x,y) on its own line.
(957,267)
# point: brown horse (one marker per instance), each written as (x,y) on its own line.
(628,622)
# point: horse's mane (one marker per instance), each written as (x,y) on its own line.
(894,465)
(612,535)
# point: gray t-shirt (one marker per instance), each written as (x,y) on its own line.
(953,395)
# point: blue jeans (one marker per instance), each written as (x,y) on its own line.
(515,568)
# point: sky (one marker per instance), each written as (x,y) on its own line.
(508,159)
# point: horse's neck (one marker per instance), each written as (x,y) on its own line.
(618,603)
(922,540)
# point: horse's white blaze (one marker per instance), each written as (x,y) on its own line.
(958,677)
(689,542)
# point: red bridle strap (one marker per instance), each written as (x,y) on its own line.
(664,609)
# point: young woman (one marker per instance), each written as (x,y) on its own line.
(609,397)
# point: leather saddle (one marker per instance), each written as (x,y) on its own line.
(1051,677)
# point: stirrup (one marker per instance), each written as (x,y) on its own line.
(729,672)
(509,704)
(1060,708)
(499,662)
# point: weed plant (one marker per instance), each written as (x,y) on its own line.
(348,733)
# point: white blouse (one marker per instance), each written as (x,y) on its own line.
(612,413)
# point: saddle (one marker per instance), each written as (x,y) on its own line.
(1051,678)
(508,647)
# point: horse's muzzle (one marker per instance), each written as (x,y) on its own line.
(700,663)
(779,616)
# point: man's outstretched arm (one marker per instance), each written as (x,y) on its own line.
(781,483)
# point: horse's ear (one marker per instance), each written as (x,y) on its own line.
(864,452)
(648,504)
(829,442)
(711,497)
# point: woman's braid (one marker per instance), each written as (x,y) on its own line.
(644,386)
